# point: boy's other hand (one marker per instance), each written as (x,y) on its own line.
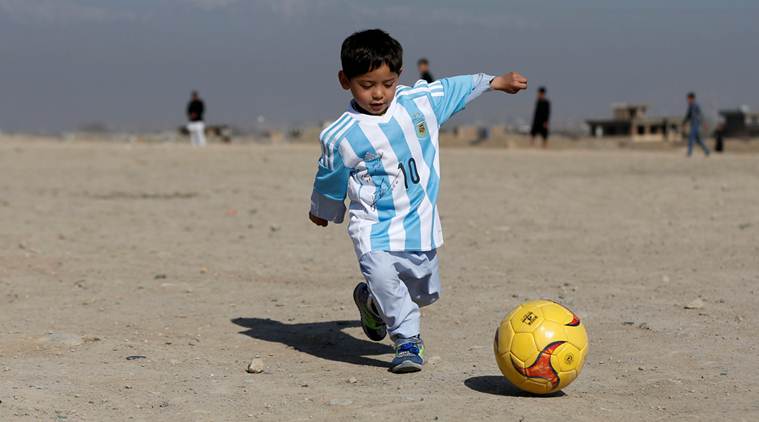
(511,82)
(316,220)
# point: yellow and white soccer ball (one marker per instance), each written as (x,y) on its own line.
(540,346)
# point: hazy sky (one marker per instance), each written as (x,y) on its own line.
(132,63)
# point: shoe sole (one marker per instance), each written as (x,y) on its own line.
(406,367)
(361,316)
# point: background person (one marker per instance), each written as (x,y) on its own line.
(423,65)
(541,117)
(196,127)
(696,119)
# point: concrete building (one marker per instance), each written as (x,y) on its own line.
(740,122)
(631,121)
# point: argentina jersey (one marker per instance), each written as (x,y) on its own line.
(388,166)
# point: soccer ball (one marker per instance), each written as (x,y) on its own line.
(540,346)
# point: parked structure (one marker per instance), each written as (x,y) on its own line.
(631,121)
(740,122)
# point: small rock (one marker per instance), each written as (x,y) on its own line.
(203,270)
(256,366)
(628,323)
(160,276)
(128,387)
(744,226)
(695,304)
(723,372)
(274,228)
(434,360)
(136,357)
(340,402)
(352,380)
(640,368)
(644,326)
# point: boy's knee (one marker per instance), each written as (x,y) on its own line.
(381,281)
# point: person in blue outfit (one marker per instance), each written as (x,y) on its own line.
(696,120)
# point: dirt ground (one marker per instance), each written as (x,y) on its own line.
(138,281)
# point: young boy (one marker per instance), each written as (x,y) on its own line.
(382,153)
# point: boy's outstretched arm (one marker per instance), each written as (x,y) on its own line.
(451,95)
(510,83)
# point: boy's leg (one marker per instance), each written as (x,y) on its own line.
(422,279)
(400,282)
(390,293)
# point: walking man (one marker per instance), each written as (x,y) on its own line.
(696,118)
(196,127)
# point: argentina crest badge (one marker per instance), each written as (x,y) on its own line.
(421,129)
(420,125)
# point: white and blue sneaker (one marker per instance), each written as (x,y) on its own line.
(409,355)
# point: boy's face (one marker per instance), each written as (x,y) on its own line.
(373,91)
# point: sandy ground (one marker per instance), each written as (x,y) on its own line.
(138,281)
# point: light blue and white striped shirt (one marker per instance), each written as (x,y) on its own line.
(389,167)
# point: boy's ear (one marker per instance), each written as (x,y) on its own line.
(344,82)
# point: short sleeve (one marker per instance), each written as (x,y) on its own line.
(453,97)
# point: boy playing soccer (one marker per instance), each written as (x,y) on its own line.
(382,153)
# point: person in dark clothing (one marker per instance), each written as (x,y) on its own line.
(719,137)
(696,118)
(196,127)
(195,108)
(424,70)
(541,117)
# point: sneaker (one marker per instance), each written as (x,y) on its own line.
(409,356)
(371,322)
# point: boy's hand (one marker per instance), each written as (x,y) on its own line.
(511,83)
(316,220)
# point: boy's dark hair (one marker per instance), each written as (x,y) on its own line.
(367,50)
(542,90)
(422,61)
(691,95)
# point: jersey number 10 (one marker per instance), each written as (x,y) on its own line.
(412,171)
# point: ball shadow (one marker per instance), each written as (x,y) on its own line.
(500,386)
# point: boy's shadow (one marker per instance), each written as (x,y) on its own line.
(325,340)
